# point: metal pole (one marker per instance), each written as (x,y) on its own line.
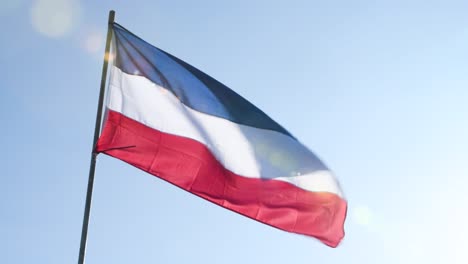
(92,167)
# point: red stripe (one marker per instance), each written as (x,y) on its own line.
(189,165)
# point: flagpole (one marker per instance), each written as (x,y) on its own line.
(92,167)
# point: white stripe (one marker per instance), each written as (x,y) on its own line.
(244,150)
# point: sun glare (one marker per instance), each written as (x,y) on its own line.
(109,56)
(362,215)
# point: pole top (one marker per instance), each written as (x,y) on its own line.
(111,16)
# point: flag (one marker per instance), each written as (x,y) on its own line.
(175,122)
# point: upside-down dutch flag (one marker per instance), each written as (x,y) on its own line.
(175,122)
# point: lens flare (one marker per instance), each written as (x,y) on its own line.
(94,42)
(55,18)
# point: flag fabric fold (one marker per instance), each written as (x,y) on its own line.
(175,122)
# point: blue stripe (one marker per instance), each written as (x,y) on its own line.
(194,88)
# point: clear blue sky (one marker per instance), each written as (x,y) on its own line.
(378,89)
